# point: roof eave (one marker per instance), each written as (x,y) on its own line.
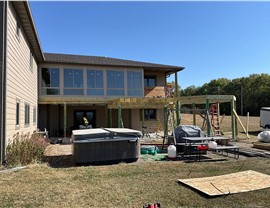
(22,8)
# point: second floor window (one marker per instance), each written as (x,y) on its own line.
(149,81)
(73,82)
(134,80)
(115,83)
(50,81)
(95,82)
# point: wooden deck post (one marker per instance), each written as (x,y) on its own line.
(165,121)
(119,116)
(208,119)
(194,114)
(110,118)
(233,120)
(65,119)
(178,116)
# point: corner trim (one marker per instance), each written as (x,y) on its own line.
(3,71)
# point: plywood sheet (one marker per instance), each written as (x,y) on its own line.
(228,184)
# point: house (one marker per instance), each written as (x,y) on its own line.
(58,91)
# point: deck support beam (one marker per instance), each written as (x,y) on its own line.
(65,119)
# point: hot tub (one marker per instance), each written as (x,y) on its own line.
(105,145)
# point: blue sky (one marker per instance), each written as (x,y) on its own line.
(210,39)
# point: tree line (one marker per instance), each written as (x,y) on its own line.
(251,92)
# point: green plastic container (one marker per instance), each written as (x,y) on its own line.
(152,150)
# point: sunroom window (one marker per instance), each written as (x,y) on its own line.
(115,83)
(50,81)
(95,82)
(73,82)
(134,80)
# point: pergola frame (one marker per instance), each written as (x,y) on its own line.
(172,103)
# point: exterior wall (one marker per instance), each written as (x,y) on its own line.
(152,125)
(21,79)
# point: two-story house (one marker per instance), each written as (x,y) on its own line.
(56,91)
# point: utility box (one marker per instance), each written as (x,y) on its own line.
(265,117)
(107,145)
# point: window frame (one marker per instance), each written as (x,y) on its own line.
(34,115)
(146,114)
(78,89)
(26,114)
(31,61)
(17,120)
(46,88)
(147,78)
(95,88)
(18,29)
(134,84)
(115,88)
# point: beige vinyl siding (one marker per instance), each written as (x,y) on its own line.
(21,79)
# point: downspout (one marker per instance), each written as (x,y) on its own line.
(3,70)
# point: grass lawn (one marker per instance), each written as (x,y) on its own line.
(125,185)
(129,185)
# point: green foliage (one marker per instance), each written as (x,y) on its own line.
(24,149)
(255,91)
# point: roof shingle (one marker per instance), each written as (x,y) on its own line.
(105,61)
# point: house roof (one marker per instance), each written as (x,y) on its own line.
(23,11)
(106,61)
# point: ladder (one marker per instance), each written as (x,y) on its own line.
(214,112)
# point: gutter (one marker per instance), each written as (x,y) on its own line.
(3,70)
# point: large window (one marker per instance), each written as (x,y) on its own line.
(115,83)
(50,81)
(95,82)
(26,114)
(73,82)
(134,80)
(149,81)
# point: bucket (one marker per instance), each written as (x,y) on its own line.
(212,144)
(171,151)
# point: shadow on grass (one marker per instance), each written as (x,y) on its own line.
(253,133)
(66,161)
(59,161)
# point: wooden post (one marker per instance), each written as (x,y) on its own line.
(165,125)
(194,114)
(119,116)
(233,121)
(178,116)
(65,119)
(110,118)
(208,119)
(247,124)
(165,121)
(142,115)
